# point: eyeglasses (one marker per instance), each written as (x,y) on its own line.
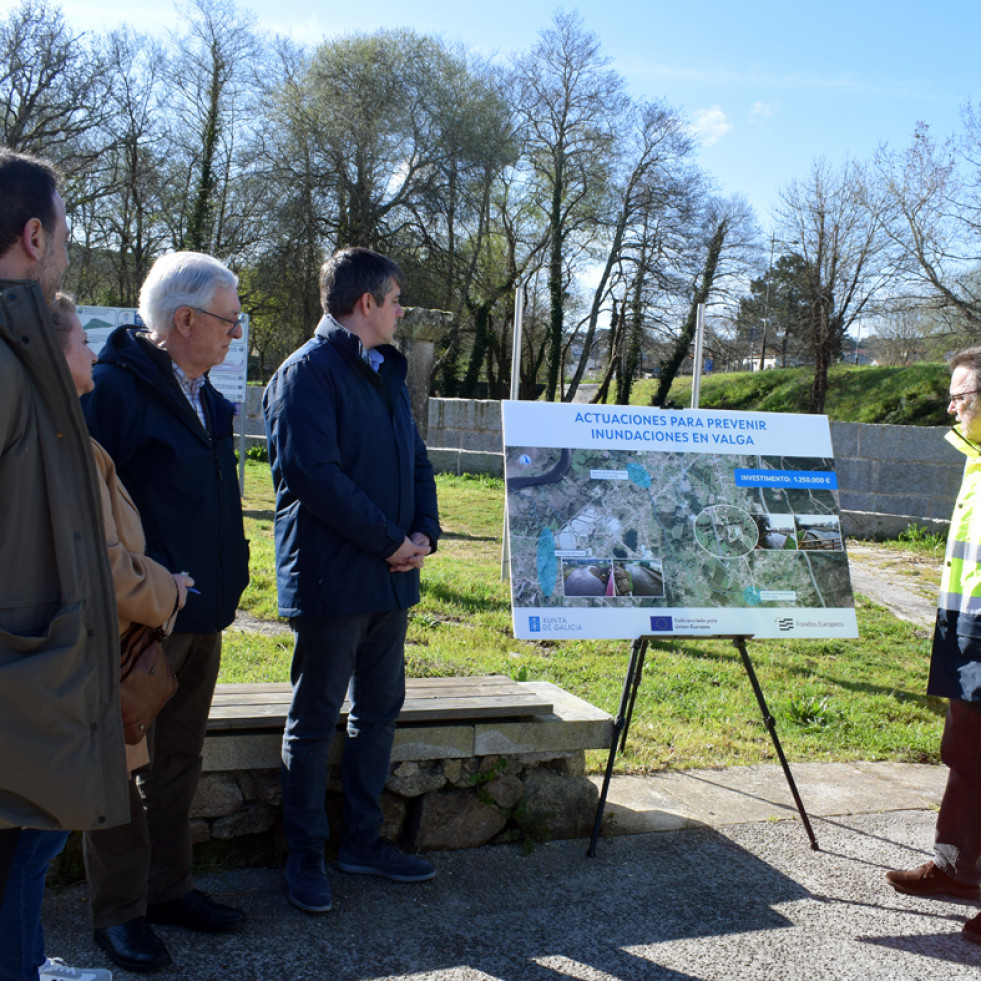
(960,397)
(235,323)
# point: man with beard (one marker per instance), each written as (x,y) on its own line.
(62,758)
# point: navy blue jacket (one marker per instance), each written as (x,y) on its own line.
(182,479)
(352,478)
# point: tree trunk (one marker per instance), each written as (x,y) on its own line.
(683,343)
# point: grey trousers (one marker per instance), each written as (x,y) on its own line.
(957,849)
(149,859)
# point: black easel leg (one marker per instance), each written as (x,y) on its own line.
(620,726)
(740,644)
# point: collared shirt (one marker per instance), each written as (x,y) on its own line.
(373,358)
(191,387)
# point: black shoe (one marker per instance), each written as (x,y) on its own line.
(133,945)
(196,911)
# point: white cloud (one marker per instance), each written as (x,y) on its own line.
(759,111)
(709,125)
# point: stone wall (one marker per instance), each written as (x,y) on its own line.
(434,805)
(892,476)
(452,784)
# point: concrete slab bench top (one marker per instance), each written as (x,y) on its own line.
(263,705)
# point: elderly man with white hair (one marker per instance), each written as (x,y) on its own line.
(170,434)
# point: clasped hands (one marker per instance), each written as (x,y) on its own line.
(410,554)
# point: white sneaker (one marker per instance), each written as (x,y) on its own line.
(55,969)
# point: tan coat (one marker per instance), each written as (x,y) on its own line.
(145,590)
(62,758)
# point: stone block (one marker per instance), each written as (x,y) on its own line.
(467,770)
(237,751)
(902,504)
(844,439)
(574,724)
(858,502)
(874,524)
(433,742)
(250,819)
(897,475)
(452,769)
(505,790)
(455,460)
(268,786)
(246,783)
(556,806)
(218,794)
(200,831)
(409,779)
(452,818)
(854,475)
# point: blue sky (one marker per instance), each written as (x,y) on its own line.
(768,85)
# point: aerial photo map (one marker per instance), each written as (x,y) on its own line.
(680,532)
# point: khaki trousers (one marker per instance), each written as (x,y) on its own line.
(149,859)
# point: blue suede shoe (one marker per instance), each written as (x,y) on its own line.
(309,889)
(385,860)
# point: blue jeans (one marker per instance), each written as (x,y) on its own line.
(361,656)
(21,936)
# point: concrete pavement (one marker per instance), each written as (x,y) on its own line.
(727,887)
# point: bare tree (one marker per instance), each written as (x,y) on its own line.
(646,192)
(898,333)
(828,223)
(117,219)
(572,107)
(213,113)
(52,87)
(931,208)
(728,245)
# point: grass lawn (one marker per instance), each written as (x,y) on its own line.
(833,699)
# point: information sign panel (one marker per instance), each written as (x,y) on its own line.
(229,377)
(627,522)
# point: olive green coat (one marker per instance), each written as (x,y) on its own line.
(62,758)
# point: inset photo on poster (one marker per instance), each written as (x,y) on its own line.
(818,532)
(777,532)
(643,577)
(587,577)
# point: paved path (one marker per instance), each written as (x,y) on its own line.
(889,578)
(732,892)
(705,875)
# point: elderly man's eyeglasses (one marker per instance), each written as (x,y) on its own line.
(960,398)
(235,323)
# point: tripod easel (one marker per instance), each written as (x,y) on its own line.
(631,684)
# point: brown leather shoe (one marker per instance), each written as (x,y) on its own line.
(928,880)
(972,930)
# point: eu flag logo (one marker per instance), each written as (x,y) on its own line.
(660,624)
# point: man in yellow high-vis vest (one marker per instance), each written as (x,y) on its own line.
(955,668)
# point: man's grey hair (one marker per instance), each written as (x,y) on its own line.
(180,279)
(968,358)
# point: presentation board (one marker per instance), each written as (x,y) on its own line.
(229,377)
(626,522)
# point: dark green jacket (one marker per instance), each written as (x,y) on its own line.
(62,758)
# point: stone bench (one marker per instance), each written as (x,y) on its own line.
(474,760)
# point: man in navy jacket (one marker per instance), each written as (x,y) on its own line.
(356,516)
(170,434)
